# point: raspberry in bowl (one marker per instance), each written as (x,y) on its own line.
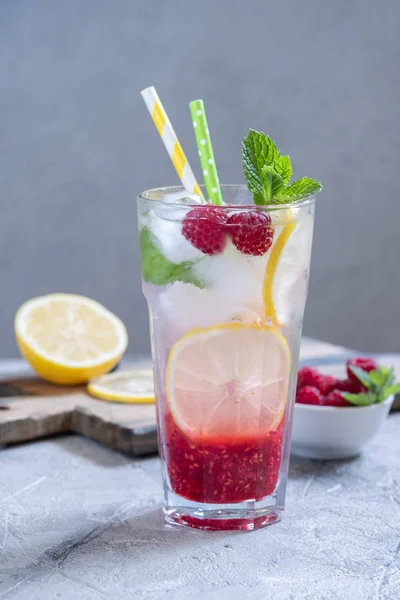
(335,418)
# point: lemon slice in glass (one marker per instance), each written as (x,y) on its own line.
(230,379)
(286,273)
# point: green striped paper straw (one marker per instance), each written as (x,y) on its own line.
(205,151)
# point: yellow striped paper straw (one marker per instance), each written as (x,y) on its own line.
(171,142)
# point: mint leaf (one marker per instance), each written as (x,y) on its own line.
(258,151)
(381,378)
(157,269)
(361,399)
(361,375)
(301,189)
(378,377)
(271,182)
(184,272)
(379,383)
(268,173)
(283,167)
(391,390)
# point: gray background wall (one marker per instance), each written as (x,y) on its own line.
(76,143)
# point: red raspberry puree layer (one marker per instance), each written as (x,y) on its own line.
(222,470)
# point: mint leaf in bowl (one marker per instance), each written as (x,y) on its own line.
(380,384)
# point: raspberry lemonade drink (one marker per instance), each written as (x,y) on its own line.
(226,286)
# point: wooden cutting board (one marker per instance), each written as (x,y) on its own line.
(31,408)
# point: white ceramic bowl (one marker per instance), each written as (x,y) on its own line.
(329,433)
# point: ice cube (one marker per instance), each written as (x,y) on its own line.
(185,307)
(235,294)
(182,197)
(236,281)
(168,233)
(175,205)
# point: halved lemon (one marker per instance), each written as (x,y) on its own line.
(231,379)
(69,339)
(134,386)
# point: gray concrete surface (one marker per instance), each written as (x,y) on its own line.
(80,521)
(76,143)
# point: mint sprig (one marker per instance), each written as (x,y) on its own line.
(157,269)
(268,173)
(380,384)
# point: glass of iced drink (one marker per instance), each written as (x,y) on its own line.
(226,288)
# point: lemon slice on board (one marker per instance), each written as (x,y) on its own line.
(69,339)
(135,386)
(230,379)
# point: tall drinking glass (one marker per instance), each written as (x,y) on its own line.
(225,331)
